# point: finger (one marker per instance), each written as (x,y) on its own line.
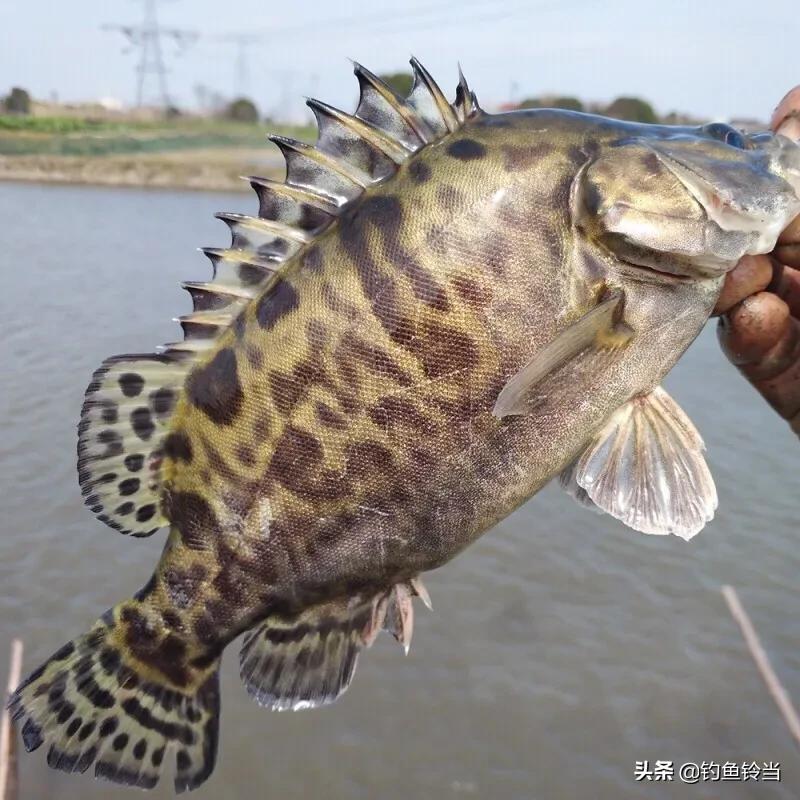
(791,233)
(786,117)
(751,330)
(782,392)
(763,340)
(786,284)
(789,254)
(751,275)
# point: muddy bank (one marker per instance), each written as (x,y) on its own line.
(208,169)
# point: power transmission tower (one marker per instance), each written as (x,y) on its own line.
(147,38)
(242,72)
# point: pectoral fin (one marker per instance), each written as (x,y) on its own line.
(600,328)
(646,468)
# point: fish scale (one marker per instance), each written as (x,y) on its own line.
(437,312)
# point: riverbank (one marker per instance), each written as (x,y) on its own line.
(195,154)
(206,169)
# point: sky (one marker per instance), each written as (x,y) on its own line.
(711,59)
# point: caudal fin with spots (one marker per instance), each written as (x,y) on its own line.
(93,702)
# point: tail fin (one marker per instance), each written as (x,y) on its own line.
(93,702)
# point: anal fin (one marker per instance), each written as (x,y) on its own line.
(646,468)
(309,660)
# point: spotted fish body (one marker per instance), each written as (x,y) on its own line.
(354,396)
(438,312)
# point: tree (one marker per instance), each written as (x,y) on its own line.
(18,102)
(401,82)
(242,109)
(568,103)
(633,109)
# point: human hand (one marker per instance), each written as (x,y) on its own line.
(759,307)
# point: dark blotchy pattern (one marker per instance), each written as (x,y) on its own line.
(129,486)
(131,384)
(313,260)
(162,401)
(192,516)
(279,299)
(466,149)
(215,388)
(178,446)
(419,171)
(520,158)
(166,655)
(134,462)
(142,422)
(296,462)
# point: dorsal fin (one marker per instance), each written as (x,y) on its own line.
(125,432)
(352,153)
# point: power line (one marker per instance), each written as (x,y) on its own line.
(147,37)
(356,22)
(418,17)
(243,41)
(414,19)
(408,25)
(421,18)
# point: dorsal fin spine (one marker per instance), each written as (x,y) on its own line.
(209,318)
(203,324)
(215,288)
(215,254)
(288,145)
(297,193)
(421,130)
(184,349)
(466,103)
(233,220)
(217,297)
(445,109)
(389,147)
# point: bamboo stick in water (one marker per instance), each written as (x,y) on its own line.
(8,739)
(779,694)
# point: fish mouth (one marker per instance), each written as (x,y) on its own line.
(671,248)
(646,272)
(738,197)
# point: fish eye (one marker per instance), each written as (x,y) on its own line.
(728,134)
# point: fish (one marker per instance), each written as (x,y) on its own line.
(438,311)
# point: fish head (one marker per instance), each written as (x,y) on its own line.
(687,202)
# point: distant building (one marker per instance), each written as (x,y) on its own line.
(111,103)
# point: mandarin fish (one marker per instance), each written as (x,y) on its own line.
(435,313)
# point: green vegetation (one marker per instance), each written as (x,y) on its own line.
(12,122)
(242,109)
(401,82)
(633,109)
(568,103)
(18,101)
(86,137)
